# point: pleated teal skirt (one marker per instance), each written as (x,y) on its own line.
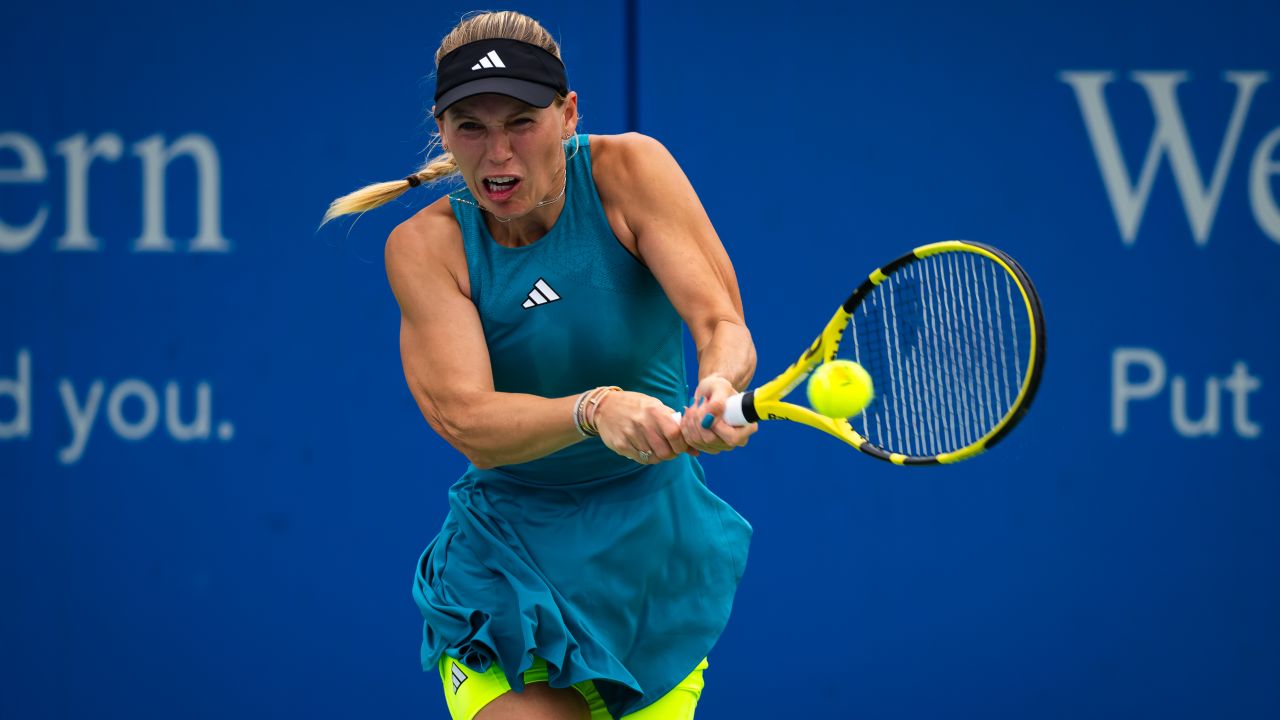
(625,580)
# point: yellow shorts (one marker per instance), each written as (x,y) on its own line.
(468,691)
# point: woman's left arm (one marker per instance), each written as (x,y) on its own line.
(655,212)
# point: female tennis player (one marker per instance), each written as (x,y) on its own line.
(584,568)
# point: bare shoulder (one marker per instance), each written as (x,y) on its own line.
(425,237)
(633,174)
(427,248)
(618,158)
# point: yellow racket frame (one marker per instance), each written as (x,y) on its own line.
(767,403)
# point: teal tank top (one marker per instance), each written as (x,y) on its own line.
(573,311)
(611,571)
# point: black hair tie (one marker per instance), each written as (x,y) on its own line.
(413,180)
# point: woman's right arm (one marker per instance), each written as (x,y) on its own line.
(446,361)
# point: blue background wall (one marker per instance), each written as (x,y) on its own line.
(1095,566)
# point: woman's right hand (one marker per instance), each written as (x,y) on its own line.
(639,427)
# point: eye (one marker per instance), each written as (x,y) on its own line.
(468,126)
(522,122)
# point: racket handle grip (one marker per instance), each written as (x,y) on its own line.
(732,411)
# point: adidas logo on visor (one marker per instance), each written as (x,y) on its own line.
(489,61)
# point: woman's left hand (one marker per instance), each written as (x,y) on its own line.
(638,427)
(709,400)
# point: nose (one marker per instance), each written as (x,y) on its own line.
(499,150)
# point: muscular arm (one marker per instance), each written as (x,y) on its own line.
(446,361)
(655,210)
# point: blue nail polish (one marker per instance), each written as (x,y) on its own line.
(700,401)
(707,420)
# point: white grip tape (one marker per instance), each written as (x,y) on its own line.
(732,412)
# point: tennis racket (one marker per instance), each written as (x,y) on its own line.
(952,335)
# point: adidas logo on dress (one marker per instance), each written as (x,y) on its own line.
(541,294)
(489,61)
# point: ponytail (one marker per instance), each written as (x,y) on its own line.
(378,194)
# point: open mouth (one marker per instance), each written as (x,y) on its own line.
(500,187)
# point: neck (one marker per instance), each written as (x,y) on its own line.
(525,229)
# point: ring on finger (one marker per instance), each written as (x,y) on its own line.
(644,455)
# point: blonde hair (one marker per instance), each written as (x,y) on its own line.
(483,25)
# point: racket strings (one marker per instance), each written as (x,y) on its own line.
(943,339)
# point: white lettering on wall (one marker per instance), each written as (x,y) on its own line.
(31,169)
(133,410)
(142,427)
(80,416)
(1150,366)
(156,157)
(155,160)
(79,155)
(1170,139)
(18,389)
(1123,390)
(198,428)
(1261,198)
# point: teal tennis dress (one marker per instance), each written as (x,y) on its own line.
(609,570)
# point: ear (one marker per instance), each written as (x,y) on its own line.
(570,118)
(439,129)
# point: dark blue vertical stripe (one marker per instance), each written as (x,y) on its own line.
(631,31)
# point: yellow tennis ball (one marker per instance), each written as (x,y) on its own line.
(840,389)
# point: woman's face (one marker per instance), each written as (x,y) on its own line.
(510,154)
